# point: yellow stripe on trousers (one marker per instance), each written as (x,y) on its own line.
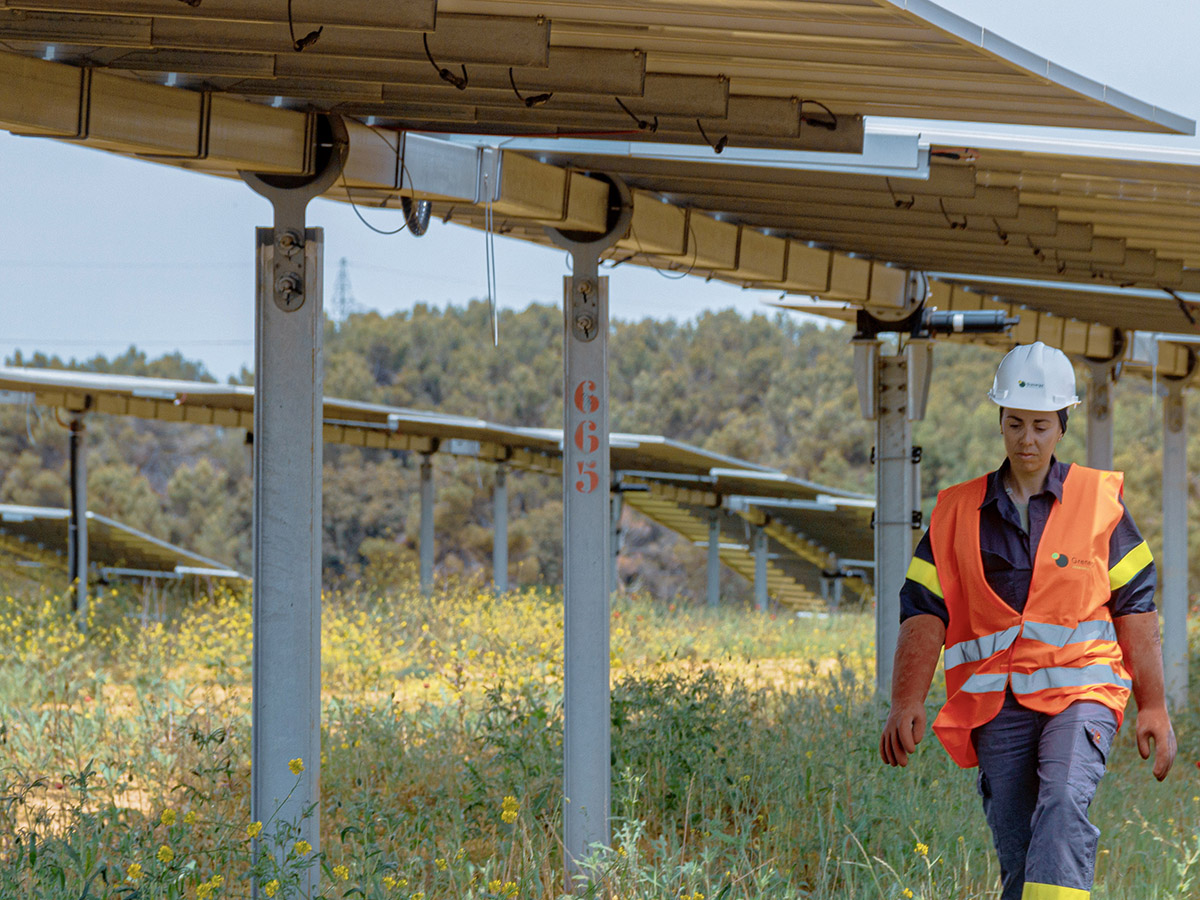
(1035,891)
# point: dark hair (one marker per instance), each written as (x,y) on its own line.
(1062,418)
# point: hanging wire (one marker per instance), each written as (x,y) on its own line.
(416,214)
(829,124)
(896,201)
(489,246)
(1183,307)
(446,75)
(354,206)
(533,100)
(307,41)
(953,225)
(719,145)
(642,124)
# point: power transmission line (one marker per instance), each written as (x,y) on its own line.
(343,294)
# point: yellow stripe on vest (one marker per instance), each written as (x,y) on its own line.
(1035,891)
(925,574)
(1130,565)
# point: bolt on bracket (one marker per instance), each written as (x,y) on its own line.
(585,309)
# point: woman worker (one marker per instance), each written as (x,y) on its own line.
(1040,587)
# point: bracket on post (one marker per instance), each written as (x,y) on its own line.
(289,196)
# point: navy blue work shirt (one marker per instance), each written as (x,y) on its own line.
(1008,552)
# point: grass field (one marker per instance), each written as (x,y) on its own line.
(745,760)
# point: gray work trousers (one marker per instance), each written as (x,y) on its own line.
(1037,776)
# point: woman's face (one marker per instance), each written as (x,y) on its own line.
(1030,437)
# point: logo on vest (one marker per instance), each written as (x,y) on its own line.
(1062,561)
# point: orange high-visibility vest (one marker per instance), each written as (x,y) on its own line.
(1063,646)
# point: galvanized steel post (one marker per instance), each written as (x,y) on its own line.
(1099,415)
(714,557)
(500,530)
(758,545)
(586,542)
(426,533)
(288,439)
(1175,546)
(77,528)
(893,510)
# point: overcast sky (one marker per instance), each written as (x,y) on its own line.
(100,252)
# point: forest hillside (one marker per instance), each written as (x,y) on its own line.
(765,388)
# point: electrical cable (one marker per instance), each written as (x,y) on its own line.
(446,75)
(354,206)
(307,41)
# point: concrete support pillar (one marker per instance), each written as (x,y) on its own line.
(426,533)
(758,546)
(77,528)
(1099,415)
(587,539)
(614,580)
(893,511)
(714,558)
(1175,546)
(500,530)
(288,432)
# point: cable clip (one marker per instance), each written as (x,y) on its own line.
(532,100)
(297,44)
(446,75)
(719,145)
(642,124)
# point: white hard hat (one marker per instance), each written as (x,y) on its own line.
(1034,376)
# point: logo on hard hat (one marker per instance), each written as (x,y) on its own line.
(1032,384)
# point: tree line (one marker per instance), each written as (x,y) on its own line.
(767,388)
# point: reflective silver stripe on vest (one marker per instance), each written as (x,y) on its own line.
(1064,677)
(981,683)
(1061,635)
(980,648)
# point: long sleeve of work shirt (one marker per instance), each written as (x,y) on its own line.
(1008,552)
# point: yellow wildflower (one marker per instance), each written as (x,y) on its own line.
(253,829)
(341,872)
(134,872)
(165,854)
(508,809)
(302,848)
(389,882)
(921,849)
(203,891)
(189,818)
(509,889)
(167,817)
(271,887)
(494,885)
(907,893)
(296,765)
(441,864)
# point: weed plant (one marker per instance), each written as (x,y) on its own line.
(744,757)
